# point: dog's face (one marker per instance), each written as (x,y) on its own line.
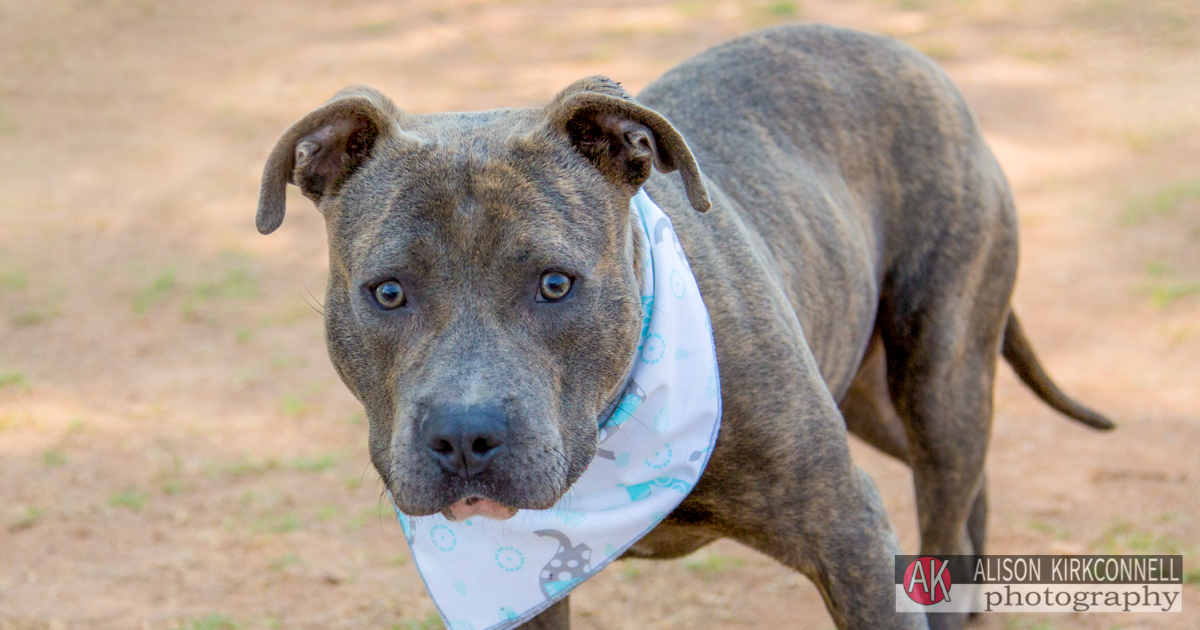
(483,298)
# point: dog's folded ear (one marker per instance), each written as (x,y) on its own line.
(324,148)
(623,138)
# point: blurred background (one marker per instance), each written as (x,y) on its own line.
(176,452)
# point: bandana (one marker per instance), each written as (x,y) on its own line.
(655,441)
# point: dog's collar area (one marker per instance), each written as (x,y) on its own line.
(610,409)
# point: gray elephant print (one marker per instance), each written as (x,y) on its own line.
(567,568)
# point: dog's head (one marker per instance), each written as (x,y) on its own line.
(483,298)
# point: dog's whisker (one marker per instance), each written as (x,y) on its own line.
(362,478)
(632,416)
(310,293)
(379,510)
(318,311)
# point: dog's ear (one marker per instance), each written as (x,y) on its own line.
(320,151)
(623,138)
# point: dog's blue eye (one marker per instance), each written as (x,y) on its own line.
(389,294)
(555,286)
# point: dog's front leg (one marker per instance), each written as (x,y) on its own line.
(782,481)
(839,536)
(556,617)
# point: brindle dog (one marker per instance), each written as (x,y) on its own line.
(853,238)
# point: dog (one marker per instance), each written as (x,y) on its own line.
(852,236)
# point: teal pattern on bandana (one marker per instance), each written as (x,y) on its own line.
(655,443)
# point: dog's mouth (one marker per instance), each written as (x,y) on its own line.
(478,506)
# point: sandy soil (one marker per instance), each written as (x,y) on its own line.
(176,452)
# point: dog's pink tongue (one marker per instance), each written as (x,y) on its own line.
(476,506)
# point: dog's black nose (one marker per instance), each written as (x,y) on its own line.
(465,440)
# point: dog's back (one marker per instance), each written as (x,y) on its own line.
(850,157)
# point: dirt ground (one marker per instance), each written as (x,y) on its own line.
(176,452)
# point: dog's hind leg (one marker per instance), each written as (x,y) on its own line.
(977,520)
(867,406)
(942,317)
(870,415)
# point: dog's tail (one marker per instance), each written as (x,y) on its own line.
(1024,362)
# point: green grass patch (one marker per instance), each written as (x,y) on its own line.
(373,29)
(285,561)
(11,378)
(34,316)
(1157,269)
(1163,202)
(278,523)
(28,519)
(1046,528)
(1014,622)
(7,126)
(13,280)
(783,9)
(1160,22)
(283,362)
(54,458)
(937,50)
(159,289)
(631,571)
(1146,138)
(708,565)
(432,622)
(310,464)
(293,406)
(378,514)
(1123,537)
(692,8)
(1164,295)
(215,621)
(1039,54)
(1163,288)
(129,498)
(765,13)
(237,283)
(175,487)
(247,467)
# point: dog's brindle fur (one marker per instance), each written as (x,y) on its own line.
(857,265)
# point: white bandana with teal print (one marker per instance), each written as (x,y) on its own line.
(485,574)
